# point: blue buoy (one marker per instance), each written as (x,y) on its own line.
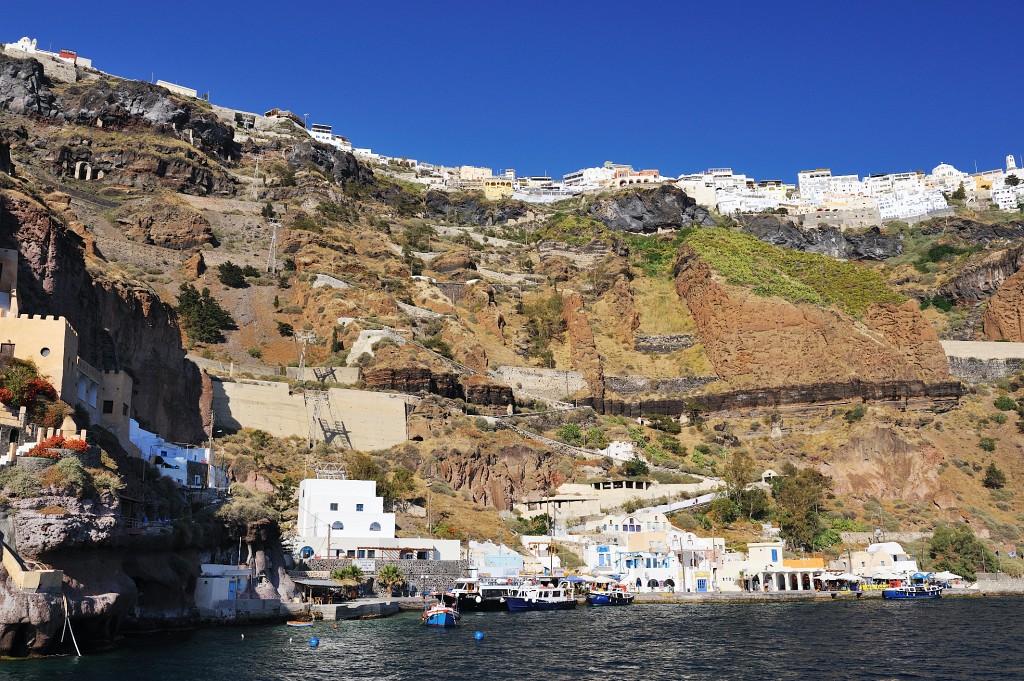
(314,642)
(479,636)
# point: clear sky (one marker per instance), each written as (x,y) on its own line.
(767,88)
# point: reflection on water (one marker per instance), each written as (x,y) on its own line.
(944,639)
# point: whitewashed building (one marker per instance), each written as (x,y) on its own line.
(346,519)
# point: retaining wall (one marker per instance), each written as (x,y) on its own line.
(427,575)
(550,384)
(999,583)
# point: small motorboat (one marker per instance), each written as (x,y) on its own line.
(440,615)
(912,592)
(299,623)
(612,597)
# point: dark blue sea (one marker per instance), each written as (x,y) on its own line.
(946,639)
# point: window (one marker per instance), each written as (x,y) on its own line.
(334,507)
(338,525)
(359,507)
(45,352)
(374,527)
(362,553)
(351,553)
(371,553)
(124,410)
(108,406)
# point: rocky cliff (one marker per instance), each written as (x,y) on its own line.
(780,231)
(981,278)
(119,325)
(497,475)
(758,341)
(1004,316)
(471,208)
(648,210)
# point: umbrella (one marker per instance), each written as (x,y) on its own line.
(845,577)
(603,580)
(573,579)
(946,576)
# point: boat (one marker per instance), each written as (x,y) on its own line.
(470,593)
(299,623)
(541,597)
(609,597)
(440,615)
(912,591)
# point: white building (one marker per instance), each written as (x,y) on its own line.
(883,558)
(589,178)
(187,465)
(813,184)
(763,568)
(346,519)
(179,89)
(491,560)
(637,548)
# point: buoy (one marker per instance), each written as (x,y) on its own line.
(243,636)
(335,626)
(479,636)
(314,642)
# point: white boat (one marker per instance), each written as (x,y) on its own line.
(541,597)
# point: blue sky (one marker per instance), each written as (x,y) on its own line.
(549,87)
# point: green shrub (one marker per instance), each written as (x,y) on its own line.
(987,443)
(570,434)
(18,482)
(994,478)
(76,480)
(855,414)
(1005,403)
(231,275)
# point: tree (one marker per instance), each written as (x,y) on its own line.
(285,330)
(202,317)
(960,194)
(994,478)
(635,467)
(799,501)
(348,572)
(957,549)
(231,275)
(738,472)
(570,433)
(1011,181)
(390,577)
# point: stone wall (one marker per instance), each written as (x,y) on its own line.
(664,343)
(637,385)
(550,384)
(999,583)
(974,370)
(430,575)
(866,538)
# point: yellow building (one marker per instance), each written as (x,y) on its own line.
(51,343)
(496,188)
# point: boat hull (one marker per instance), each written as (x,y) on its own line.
(471,604)
(901,595)
(440,616)
(609,599)
(299,624)
(516,604)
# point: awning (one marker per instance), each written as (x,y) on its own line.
(317,582)
(843,577)
(946,575)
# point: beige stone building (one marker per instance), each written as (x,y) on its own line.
(51,343)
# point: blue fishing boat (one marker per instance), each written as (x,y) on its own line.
(438,615)
(601,597)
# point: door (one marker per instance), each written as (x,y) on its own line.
(702,584)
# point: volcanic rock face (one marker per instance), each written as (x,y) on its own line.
(23,88)
(118,325)
(882,465)
(648,210)
(472,208)
(582,349)
(339,165)
(779,231)
(166,224)
(1004,317)
(499,477)
(982,279)
(755,341)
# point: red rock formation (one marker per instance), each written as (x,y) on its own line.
(580,338)
(1004,317)
(498,476)
(757,341)
(627,319)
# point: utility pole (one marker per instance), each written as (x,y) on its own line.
(256,178)
(272,254)
(304,338)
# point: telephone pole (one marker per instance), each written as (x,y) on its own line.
(272,255)
(256,178)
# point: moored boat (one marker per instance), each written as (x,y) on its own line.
(912,592)
(470,593)
(439,615)
(299,623)
(612,597)
(541,597)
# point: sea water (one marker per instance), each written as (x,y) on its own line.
(869,639)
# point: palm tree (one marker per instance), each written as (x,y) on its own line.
(390,576)
(352,572)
